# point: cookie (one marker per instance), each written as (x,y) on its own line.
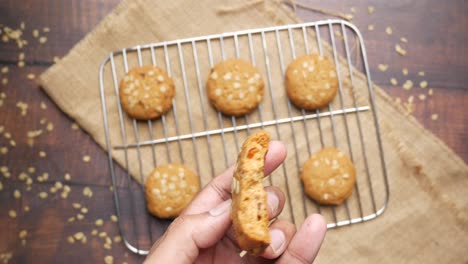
(235,87)
(328,176)
(249,200)
(169,189)
(311,82)
(146,92)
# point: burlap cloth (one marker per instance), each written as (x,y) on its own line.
(426,221)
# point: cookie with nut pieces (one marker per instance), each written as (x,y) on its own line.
(328,176)
(249,200)
(235,87)
(169,189)
(311,81)
(146,92)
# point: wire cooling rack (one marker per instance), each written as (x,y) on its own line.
(207,141)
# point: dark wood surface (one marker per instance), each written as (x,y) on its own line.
(437,34)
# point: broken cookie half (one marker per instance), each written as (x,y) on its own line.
(249,200)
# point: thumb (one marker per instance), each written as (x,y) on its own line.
(190,233)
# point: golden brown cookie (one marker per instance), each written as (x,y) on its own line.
(146,92)
(235,87)
(169,189)
(311,81)
(249,200)
(328,176)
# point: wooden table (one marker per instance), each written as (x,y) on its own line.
(437,34)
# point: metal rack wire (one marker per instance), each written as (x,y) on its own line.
(197,132)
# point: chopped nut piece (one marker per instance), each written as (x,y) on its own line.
(70,239)
(42,154)
(408,85)
(71,219)
(400,50)
(84,210)
(26,208)
(389,31)
(109,260)
(17,194)
(431,92)
(423,84)
(117,239)
(422,97)
(5,81)
(22,234)
(421,73)
(383,67)
(5,69)
(42,40)
(50,127)
(31,76)
(67,176)
(434,117)
(370,9)
(80,216)
(43,195)
(35,33)
(4,150)
(87,192)
(99,222)
(86,158)
(46,29)
(371,27)
(78,236)
(404,40)
(12,213)
(114,218)
(404,71)
(74,126)
(76,205)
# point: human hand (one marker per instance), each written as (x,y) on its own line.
(203,232)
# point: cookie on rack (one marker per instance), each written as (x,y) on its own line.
(328,177)
(311,81)
(235,87)
(249,199)
(169,189)
(146,92)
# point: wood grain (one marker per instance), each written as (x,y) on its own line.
(435,30)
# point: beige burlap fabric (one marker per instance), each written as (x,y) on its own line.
(426,220)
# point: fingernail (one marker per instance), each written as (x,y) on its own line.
(221,208)
(273,202)
(277,239)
